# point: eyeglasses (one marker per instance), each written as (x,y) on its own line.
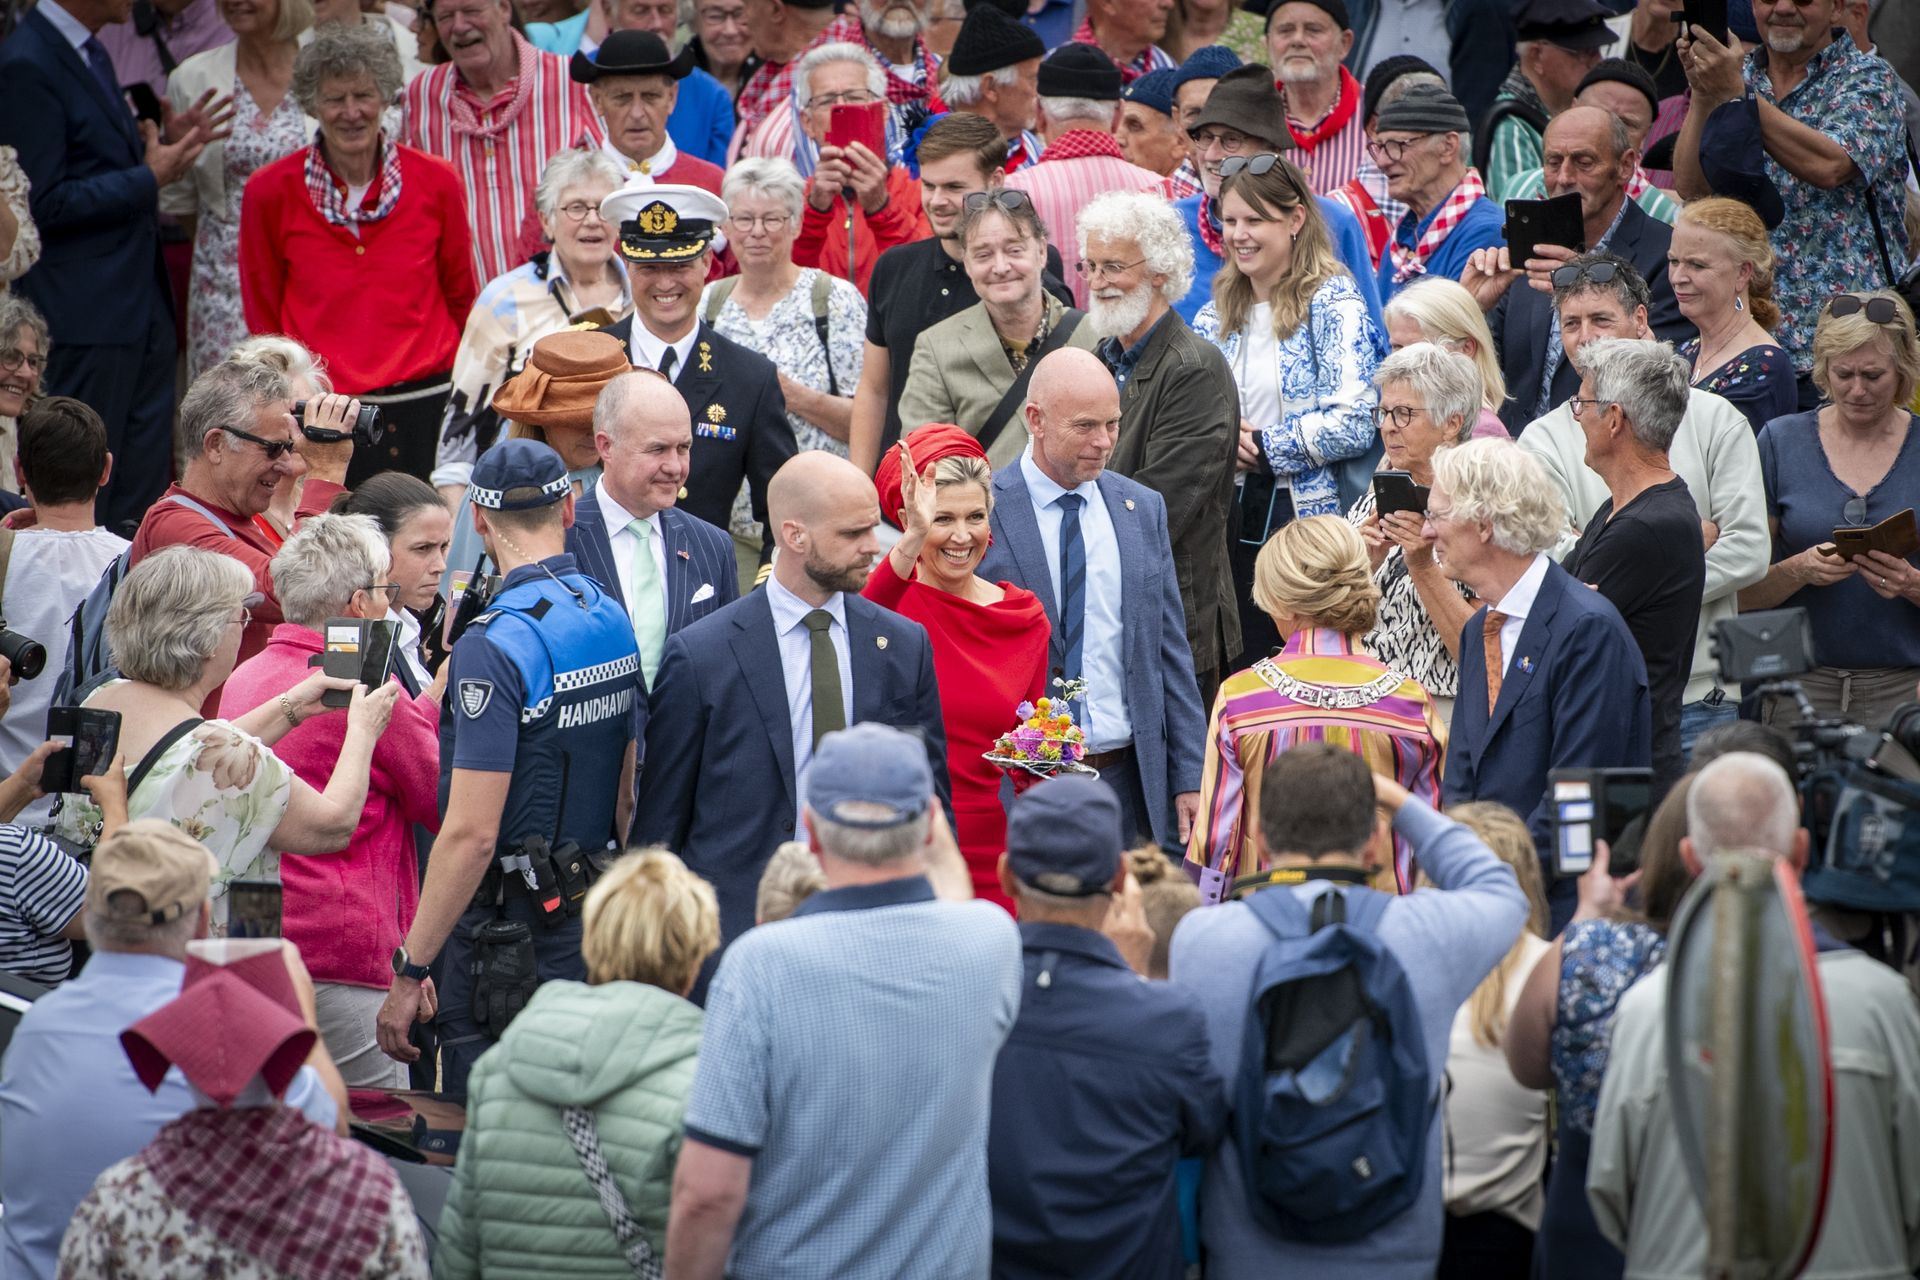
(851,98)
(245,619)
(1107,269)
(274,449)
(1230,141)
(1402,415)
(1006,199)
(12,360)
(771,223)
(1394,150)
(577,210)
(1575,402)
(1436,514)
(724,17)
(1591,272)
(393,589)
(1879,310)
(1855,511)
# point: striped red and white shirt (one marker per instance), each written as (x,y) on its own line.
(500,147)
(1077,166)
(1151,58)
(1334,147)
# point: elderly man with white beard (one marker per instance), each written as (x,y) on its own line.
(1179,408)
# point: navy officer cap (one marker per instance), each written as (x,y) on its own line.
(518,464)
(1063,837)
(871,776)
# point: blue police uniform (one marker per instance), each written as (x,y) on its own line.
(546,686)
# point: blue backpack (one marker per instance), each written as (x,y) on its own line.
(1333,1102)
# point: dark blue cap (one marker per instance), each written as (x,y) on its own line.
(1154,89)
(1209,63)
(871,776)
(518,464)
(1733,159)
(1063,836)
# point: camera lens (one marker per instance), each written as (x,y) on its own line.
(28,656)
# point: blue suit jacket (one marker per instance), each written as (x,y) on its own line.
(100,277)
(1163,698)
(699,559)
(717,786)
(1574,696)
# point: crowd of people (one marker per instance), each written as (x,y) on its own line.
(902,558)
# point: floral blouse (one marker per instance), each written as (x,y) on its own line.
(1599,960)
(26,245)
(223,787)
(1759,381)
(1324,374)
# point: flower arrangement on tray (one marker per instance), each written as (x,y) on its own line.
(1046,741)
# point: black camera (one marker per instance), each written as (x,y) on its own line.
(367,428)
(28,656)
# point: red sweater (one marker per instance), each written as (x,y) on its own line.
(822,241)
(382,307)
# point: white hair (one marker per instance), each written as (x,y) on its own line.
(1499,482)
(773,178)
(873,847)
(825,56)
(171,612)
(570,168)
(1446,383)
(1646,379)
(1059,109)
(277,351)
(964,91)
(1742,801)
(327,559)
(1155,229)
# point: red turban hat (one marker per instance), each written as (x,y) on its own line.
(929,444)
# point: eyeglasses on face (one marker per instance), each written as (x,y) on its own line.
(851,98)
(1590,272)
(16,358)
(1575,403)
(392,589)
(274,449)
(577,210)
(1107,269)
(771,223)
(1231,141)
(1006,199)
(245,619)
(724,17)
(1402,415)
(1393,150)
(1879,310)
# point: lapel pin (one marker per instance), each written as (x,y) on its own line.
(1129,504)
(1526,665)
(879,642)
(681,552)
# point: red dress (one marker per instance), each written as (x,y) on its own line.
(988,660)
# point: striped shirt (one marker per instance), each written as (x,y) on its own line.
(1278,704)
(1515,147)
(1151,58)
(1655,203)
(41,890)
(1077,166)
(1336,161)
(499,148)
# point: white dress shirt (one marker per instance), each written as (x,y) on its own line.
(409,632)
(1103,665)
(1517,604)
(646,351)
(796,665)
(620,538)
(67,25)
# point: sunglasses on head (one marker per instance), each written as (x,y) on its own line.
(1879,310)
(1592,272)
(1005,199)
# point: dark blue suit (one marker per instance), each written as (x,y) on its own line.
(100,281)
(700,560)
(718,783)
(1163,698)
(1574,696)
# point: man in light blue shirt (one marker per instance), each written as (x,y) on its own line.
(1094,547)
(70,1104)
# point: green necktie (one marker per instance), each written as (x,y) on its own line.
(829,712)
(646,603)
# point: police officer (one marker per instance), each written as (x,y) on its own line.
(1105,1081)
(740,426)
(544,705)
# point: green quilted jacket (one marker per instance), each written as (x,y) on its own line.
(520,1206)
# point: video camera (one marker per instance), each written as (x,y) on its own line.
(366,431)
(1859,788)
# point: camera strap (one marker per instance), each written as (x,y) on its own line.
(6,558)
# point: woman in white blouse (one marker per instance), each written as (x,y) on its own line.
(1296,332)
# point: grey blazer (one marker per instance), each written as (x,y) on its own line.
(960,372)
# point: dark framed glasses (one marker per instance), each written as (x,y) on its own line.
(1005,199)
(1401,414)
(1879,310)
(274,449)
(1590,272)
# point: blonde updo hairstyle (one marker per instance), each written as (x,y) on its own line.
(1741,228)
(1315,571)
(649,919)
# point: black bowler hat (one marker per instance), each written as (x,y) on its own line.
(663,222)
(631,53)
(1245,99)
(1080,71)
(990,41)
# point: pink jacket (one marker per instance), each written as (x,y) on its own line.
(347,911)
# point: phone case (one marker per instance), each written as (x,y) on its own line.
(1395,491)
(1898,536)
(1557,222)
(864,124)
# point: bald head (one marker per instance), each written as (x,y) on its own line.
(1742,801)
(1073,415)
(824,511)
(1602,131)
(1070,378)
(640,398)
(644,437)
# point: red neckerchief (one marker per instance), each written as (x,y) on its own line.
(899,89)
(1210,235)
(1408,263)
(272,1185)
(1082,144)
(1337,119)
(463,105)
(1129,71)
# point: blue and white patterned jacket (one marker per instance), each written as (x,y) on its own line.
(1325,376)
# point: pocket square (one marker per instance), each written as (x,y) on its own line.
(704,593)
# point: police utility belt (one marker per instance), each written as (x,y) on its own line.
(556,879)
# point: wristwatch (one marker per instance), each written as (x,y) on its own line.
(405,968)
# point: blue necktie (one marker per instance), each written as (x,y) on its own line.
(1073,584)
(102,67)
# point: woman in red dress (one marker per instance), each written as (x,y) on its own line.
(989,639)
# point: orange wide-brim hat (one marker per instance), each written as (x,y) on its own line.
(564,376)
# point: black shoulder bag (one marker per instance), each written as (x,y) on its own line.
(1017,393)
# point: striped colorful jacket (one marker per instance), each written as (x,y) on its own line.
(1322,687)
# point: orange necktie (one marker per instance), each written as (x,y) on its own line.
(1496,666)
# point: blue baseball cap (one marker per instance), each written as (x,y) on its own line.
(1209,63)
(518,464)
(871,776)
(1063,836)
(1154,89)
